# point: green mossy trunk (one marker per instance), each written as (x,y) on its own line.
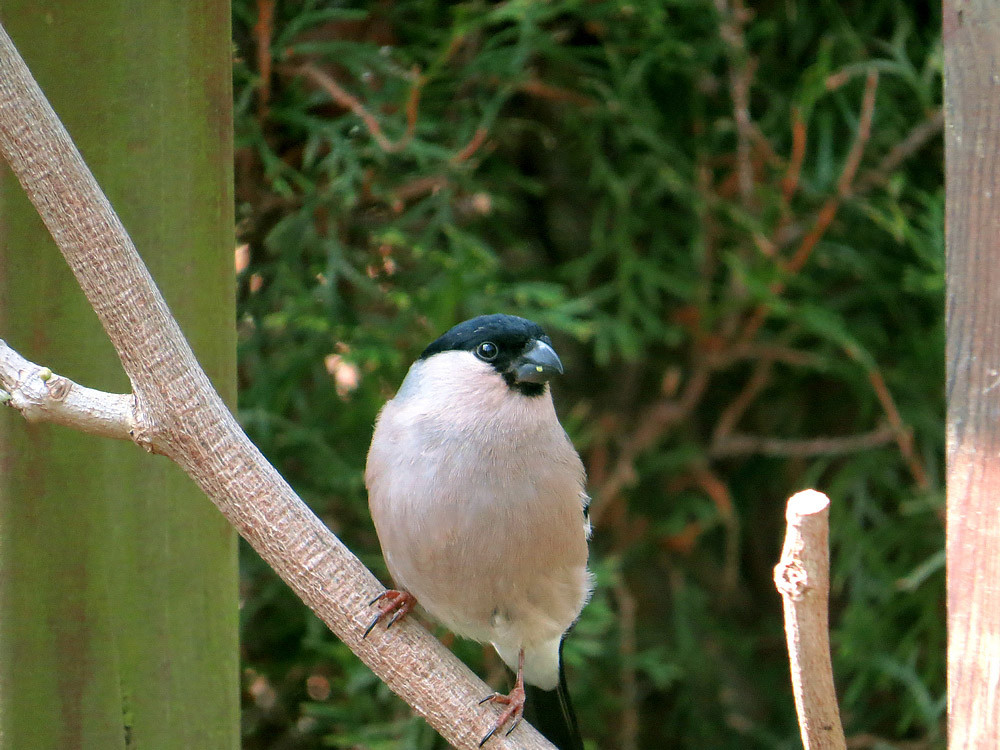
(118,579)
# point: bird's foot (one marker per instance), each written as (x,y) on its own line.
(512,714)
(395,603)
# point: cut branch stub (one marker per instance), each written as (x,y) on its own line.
(802,577)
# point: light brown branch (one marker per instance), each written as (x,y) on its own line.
(754,350)
(42,396)
(915,140)
(542,90)
(803,580)
(853,160)
(186,420)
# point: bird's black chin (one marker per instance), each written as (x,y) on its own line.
(525,388)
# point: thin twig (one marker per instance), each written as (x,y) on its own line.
(628,731)
(717,490)
(419,187)
(463,154)
(350,102)
(263,31)
(754,350)
(541,90)
(915,140)
(902,433)
(861,137)
(750,445)
(741,69)
(734,412)
(803,580)
(652,425)
(790,182)
(827,212)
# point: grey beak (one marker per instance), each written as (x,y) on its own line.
(537,364)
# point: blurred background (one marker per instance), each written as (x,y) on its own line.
(728,216)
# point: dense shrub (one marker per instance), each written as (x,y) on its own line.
(730,221)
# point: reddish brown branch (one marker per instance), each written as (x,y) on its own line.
(466,152)
(717,490)
(915,140)
(828,211)
(413,103)
(542,90)
(350,102)
(902,433)
(419,187)
(748,445)
(861,137)
(263,31)
(790,183)
(754,350)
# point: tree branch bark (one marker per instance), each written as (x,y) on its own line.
(803,580)
(175,411)
(42,396)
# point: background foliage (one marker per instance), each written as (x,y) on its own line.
(730,221)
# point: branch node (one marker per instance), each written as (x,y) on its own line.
(791,579)
(42,396)
(58,387)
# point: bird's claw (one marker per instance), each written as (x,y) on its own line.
(513,713)
(397,603)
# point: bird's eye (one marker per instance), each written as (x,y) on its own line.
(487,351)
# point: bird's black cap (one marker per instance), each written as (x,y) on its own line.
(513,338)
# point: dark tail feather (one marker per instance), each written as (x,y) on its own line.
(551,713)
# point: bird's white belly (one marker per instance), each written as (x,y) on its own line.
(492,544)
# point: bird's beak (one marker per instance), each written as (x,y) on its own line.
(537,364)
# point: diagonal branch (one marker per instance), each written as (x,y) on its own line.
(349,101)
(178,413)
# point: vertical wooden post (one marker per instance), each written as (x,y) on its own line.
(972,155)
(118,579)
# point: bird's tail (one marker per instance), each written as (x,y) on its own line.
(551,713)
